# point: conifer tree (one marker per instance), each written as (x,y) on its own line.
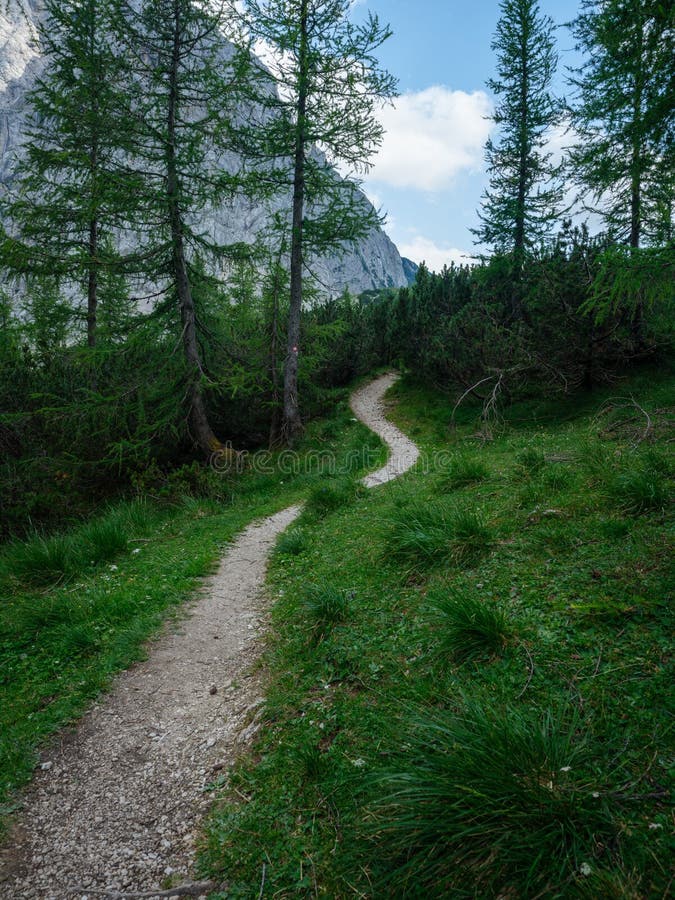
(71,194)
(185,94)
(328,82)
(624,114)
(523,197)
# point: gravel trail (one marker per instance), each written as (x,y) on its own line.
(368,405)
(116,805)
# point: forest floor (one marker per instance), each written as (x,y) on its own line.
(115,805)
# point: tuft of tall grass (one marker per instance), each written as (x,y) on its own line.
(332,494)
(40,613)
(423,535)
(530,461)
(44,560)
(467,628)
(492,798)
(464,470)
(40,560)
(637,489)
(104,538)
(311,763)
(141,517)
(326,607)
(292,542)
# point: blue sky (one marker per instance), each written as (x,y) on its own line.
(429,174)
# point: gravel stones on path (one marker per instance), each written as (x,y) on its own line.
(117,804)
(368,405)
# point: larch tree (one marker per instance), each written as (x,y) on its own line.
(523,198)
(322,114)
(624,116)
(71,193)
(186,89)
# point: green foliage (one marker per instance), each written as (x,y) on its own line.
(623,158)
(628,278)
(292,542)
(572,331)
(72,195)
(520,206)
(332,494)
(467,627)
(494,798)
(464,470)
(326,607)
(424,535)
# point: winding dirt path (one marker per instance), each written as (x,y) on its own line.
(368,405)
(116,806)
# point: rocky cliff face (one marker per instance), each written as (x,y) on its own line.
(372,263)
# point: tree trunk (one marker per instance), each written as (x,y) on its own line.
(92,285)
(637,322)
(198,417)
(275,421)
(292,423)
(524,154)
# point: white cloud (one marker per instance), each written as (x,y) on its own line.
(421,249)
(431,137)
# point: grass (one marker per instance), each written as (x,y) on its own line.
(332,494)
(424,535)
(496,725)
(77,607)
(468,628)
(292,542)
(638,489)
(44,560)
(460,805)
(464,470)
(326,607)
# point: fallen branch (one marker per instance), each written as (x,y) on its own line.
(195,889)
(640,415)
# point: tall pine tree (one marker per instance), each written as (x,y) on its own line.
(523,198)
(624,115)
(185,94)
(328,82)
(71,192)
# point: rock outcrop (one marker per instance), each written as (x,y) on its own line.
(373,262)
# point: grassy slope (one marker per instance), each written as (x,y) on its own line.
(61,643)
(406,752)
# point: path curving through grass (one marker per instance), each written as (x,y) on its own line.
(115,807)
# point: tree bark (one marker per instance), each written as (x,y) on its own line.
(198,417)
(637,322)
(292,422)
(276,417)
(92,285)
